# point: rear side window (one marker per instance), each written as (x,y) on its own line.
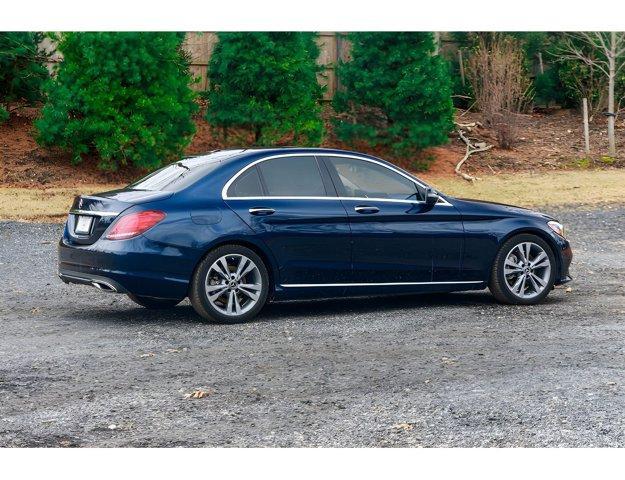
(292,177)
(247,185)
(359,178)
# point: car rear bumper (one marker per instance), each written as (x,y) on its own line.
(129,266)
(102,283)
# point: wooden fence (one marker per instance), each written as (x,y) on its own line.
(332,48)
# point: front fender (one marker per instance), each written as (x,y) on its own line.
(484,238)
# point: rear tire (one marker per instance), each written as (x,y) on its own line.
(153,303)
(230,285)
(524,271)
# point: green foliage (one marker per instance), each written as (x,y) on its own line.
(4,114)
(580,80)
(532,43)
(266,83)
(22,69)
(464,39)
(567,81)
(462,94)
(548,87)
(395,92)
(124,96)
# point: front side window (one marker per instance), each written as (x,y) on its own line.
(292,177)
(359,178)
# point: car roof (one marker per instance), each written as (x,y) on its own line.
(232,160)
(228,155)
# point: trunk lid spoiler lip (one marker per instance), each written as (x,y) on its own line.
(99,213)
(114,202)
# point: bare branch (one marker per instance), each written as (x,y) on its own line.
(471,149)
(569,51)
(604,45)
(595,39)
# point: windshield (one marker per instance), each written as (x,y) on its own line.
(181,174)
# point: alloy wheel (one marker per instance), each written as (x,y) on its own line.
(527,269)
(233,284)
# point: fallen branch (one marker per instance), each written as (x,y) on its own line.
(469,125)
(471,149)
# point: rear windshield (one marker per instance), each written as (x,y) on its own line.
(179,175)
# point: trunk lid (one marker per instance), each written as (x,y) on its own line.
(91,215)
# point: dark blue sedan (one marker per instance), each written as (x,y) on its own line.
(236,228)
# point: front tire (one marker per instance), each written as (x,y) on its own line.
(524,271)
(153,303)
(230,285)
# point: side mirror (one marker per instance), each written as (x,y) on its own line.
(431,198)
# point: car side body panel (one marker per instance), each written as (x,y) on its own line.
(310,239)
(312,247)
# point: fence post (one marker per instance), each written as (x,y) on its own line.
(461,63)
(586,133)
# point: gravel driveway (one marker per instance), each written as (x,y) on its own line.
(79,367)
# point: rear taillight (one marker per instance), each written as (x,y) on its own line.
(134,224)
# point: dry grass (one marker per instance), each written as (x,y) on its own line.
(42,205)
(587,187)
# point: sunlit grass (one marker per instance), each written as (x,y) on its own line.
(587,187)
(47,205)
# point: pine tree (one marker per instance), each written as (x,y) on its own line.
(22,69)
(266,83)
(124,96)
(395,92)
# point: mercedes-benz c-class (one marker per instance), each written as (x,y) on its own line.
(234,229)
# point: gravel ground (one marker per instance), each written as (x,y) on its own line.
(85,368)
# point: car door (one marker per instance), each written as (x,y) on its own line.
(293,208)
(395,239)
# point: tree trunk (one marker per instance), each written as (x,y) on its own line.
(611,81)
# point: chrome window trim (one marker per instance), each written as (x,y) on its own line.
(224,190)
(103,213)
(302,285)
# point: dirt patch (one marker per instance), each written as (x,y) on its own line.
(25,164)
(547,142)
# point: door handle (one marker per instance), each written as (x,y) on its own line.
(366,209)
(261,211)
